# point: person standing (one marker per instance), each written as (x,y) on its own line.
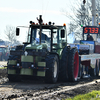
(89,38)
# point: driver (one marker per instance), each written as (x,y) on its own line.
(44,37)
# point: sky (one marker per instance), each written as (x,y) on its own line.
(21,12)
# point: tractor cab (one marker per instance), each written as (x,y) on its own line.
(47,37)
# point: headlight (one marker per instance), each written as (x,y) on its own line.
(26,53)
(17,64)
(32,65)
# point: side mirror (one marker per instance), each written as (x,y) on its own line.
(62,33)
(17,31)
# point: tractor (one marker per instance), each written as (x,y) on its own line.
(4,53)
(45,55)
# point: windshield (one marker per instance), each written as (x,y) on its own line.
(45,35)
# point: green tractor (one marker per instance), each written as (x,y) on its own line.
(44,55)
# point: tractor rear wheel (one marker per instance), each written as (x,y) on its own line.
(73,65)
(52,63)
(63,75)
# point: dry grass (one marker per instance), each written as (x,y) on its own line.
(3,63)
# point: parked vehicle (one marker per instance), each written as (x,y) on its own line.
(4,53)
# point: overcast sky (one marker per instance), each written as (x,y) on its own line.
(20,12)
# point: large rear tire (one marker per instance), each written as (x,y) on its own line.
(73,65)
(63,75)
(52,63)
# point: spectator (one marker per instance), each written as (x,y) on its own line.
(89,38)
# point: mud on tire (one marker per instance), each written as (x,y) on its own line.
(52,63)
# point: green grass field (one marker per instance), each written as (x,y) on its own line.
(94,95)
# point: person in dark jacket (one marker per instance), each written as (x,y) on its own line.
(44,37)
(89,38)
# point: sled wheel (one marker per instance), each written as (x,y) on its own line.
(63,75)
(92,71)
(73,65)
(80,71)
(97,67)
(52,63)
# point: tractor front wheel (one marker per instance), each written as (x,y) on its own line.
(52,63)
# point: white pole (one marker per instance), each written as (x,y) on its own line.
(93,13)
(94,17)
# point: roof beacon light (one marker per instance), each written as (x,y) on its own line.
(49,23)
(53,23)
(64,24)
(32,23)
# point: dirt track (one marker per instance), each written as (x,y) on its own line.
(38,90)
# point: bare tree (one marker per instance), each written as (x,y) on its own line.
(10,32)
(81,15)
